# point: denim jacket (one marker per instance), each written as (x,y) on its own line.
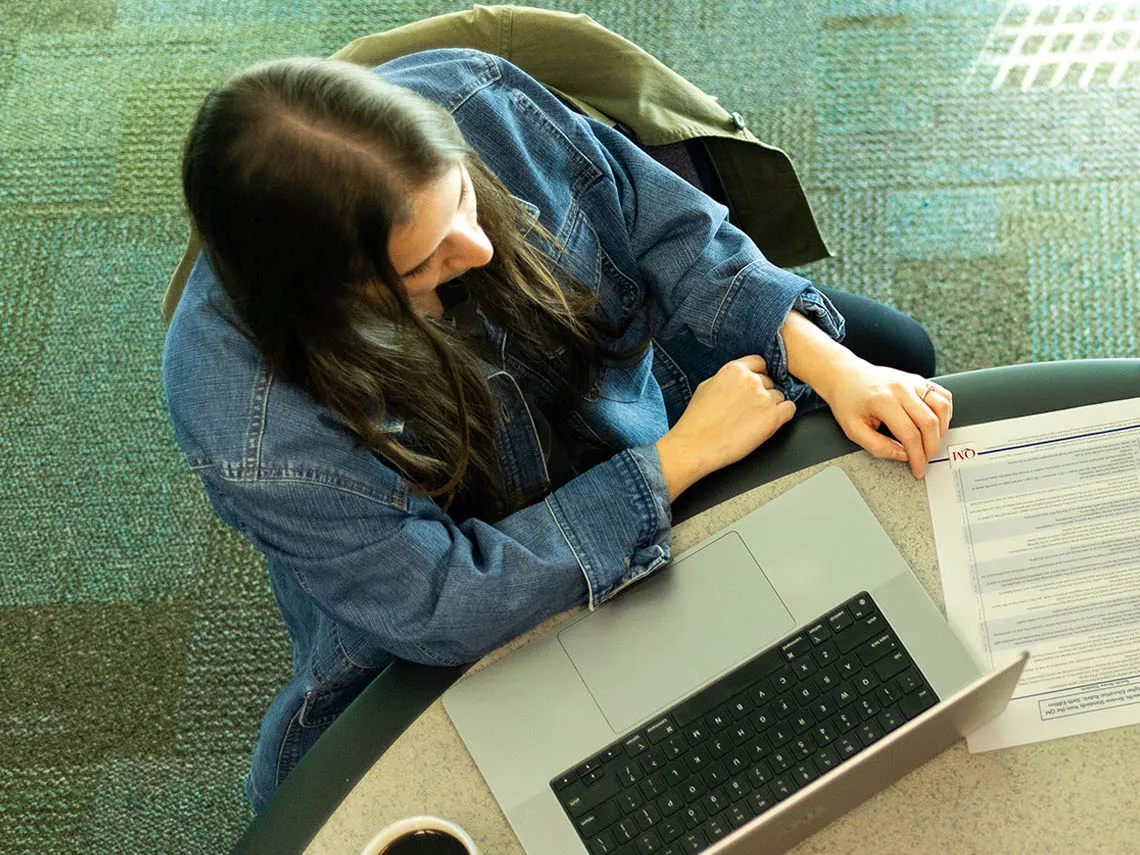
(363,568)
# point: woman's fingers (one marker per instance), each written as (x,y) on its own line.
(941,403)
(877,444)
(920,412)
(754,362)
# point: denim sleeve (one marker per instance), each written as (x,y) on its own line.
(435,591)
(706,279)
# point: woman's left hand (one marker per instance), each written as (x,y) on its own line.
(917,411)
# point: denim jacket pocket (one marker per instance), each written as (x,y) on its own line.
(580,245)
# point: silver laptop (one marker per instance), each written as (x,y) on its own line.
(763,683)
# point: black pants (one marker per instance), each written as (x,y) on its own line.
(882,335)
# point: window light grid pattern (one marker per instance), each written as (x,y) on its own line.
(1049,45)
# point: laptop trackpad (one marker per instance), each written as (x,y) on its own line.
(675,631)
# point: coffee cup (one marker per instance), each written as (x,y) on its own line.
(421,835)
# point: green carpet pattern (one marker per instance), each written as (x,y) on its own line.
(972,162)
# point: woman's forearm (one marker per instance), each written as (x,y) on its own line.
(813,356)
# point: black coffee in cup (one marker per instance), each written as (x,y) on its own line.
(425,842)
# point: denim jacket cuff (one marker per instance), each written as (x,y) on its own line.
(816,307)
(617,520)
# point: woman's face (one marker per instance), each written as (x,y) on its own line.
(441,240)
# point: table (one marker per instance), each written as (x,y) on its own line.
(1066,796)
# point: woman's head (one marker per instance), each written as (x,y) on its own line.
(441,240)
(297,174)
(331,205)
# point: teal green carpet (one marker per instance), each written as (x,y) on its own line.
(971,164)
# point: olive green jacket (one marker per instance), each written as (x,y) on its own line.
(612,80)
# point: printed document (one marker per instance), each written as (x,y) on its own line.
(1037,527)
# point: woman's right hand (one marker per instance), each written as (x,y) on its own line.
(729,416)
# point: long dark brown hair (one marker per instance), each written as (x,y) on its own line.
(295,172)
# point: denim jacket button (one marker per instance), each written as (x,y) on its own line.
(738,120)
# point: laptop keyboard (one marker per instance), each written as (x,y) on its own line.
(742,744)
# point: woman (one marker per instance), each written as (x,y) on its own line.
(452,350)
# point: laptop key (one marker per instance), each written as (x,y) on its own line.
(891,665)
(840,620)
(670,803)
(917,702)
(593,777)
(653,786)
(719,746)
(737,788)
(602,844)
(578,802)
(625,831)
(715,801)
(909,680)
(826,759)
(890,718)
(780,734)
(629,801)
(781,759)
(635,744)
(629,773)
(737,762)
(861,606)
(827,679)
(675,774)
(661,729)
(803,721)
(805,773)
(760,801)
(670,829)
(783,679)
(825,654)
(715,829)
(718,720)
(759,775)
(693,816)
(783,786)
(867,708)
(866,681)
(759,746)
(647,817)
(738,815)
(847,746)
(675,746)
(693,789)
(869,733)
(649,844)
(715,775)
(796,647)
(819,632)
(694,841)
(887,694)
(803,746)
(652,760)
(599,818)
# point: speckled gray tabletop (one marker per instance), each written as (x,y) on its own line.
(1076,795)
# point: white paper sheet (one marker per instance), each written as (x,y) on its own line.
(1037,528)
